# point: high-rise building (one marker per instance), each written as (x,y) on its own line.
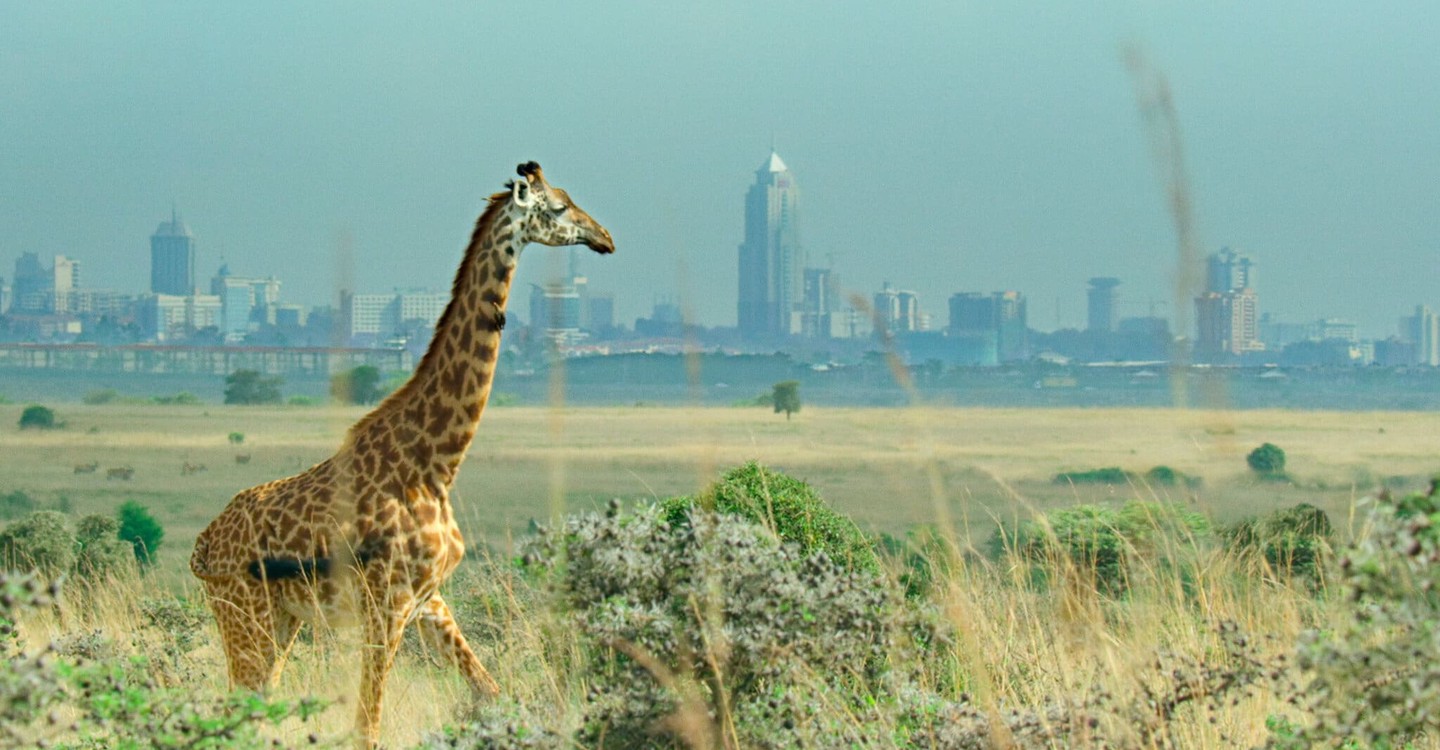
(1101,298)
(1423,330)
(771,259)
(819,318)
(1227,324)
(172,259)
(896,310)
(1229,271)
(31,288)
(1000,316)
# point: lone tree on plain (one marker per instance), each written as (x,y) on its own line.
(1268,461)
(358,386)
(250,387)
(140,529)
(786,397)
(37,417)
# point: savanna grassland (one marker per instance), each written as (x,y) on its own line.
(1009,644)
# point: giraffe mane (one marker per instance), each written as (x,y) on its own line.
(482,226)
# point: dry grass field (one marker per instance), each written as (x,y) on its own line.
(888,469)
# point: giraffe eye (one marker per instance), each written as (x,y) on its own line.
(559,209)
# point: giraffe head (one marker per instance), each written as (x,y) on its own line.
(548,216)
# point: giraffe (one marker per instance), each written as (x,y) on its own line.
(368,535)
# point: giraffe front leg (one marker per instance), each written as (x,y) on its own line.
(438,627)
(384,627)
(287,626)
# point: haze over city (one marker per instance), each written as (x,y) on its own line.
(940,146)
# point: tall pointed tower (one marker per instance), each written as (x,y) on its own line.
(172,258)
(771,259)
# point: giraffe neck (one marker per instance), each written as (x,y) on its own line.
(430,421)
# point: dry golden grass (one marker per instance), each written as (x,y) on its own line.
(889,469)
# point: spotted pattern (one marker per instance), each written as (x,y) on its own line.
(367,536)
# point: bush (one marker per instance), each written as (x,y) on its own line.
(786,397)
(1109,475)
(1292,541)
(789,507)
(41,542)
(250,387)
(1374,678)
(114,701)
(713,618)
(236,438)
(1268,461)
(99,549)
(37,417)
(360,385)
(183,398)
(1164,476)
(141,530)
(15,504)
(100,396)
(1100,541)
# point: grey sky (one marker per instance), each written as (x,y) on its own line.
(940,146)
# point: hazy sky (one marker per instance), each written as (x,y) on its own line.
(947,146)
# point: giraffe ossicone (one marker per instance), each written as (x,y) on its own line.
(369,535)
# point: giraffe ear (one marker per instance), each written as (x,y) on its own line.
(520,193)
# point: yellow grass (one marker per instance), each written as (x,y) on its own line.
(889,469)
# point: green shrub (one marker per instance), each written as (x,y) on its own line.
(1268,461)
(141,530)
(250,387)
(37,417)
(41,542)
(360,385)
(720,608)
(1293,541)
(99,549)
(14,504)
(1164,476)
(1102,541)
(236,438)
(1109,475)
(789,507)
(100,396)
(183,398)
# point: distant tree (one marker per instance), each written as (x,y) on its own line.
(358,386)
(141,530)
(37,417)
(786,396)
(250,387)
(237,438)
(1268,461)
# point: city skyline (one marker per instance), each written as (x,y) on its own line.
(1001,146)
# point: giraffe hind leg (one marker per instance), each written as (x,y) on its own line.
(244,613)
(441,632)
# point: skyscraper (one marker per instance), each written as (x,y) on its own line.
(1227,317)
(771,259)
(1423,328)
(1102,304)
(172,259)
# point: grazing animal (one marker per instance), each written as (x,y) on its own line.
(120,472)
(187,468)
(242,458)
(370,531)
(89,468)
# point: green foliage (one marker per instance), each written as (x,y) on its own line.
(789,507)
(14,504)
(236,438)
(141,530)
(99,549)
(358,386)
(302,401)
(1164,476)
(923,557)
(1102,542)
(113,701)
(786,397)
(1268,461)
(1293,541)
(183,398)
(100,396)
(715,618)
(1108,475)
(41,542)
(1374,678)
(37,417)
(250,387)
